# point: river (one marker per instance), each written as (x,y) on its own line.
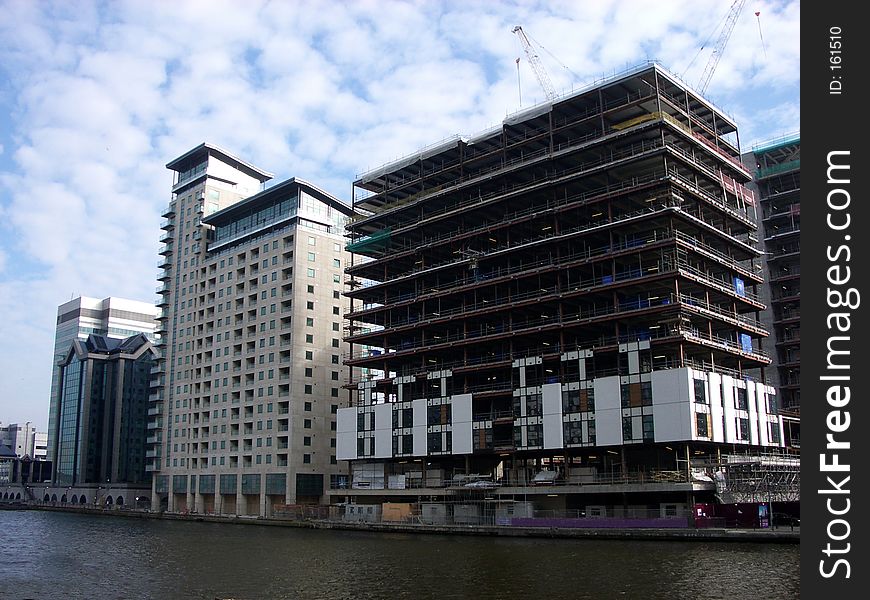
(48,555)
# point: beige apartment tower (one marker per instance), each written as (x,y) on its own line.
(245,396)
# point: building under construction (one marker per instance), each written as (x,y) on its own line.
(777,179)
(563,307)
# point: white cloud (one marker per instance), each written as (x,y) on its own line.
(101,96)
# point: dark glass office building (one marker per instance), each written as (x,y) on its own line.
(101,411)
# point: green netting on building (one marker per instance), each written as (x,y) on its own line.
(375,241)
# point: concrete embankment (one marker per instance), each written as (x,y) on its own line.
(778,535)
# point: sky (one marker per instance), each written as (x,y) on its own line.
(96,98)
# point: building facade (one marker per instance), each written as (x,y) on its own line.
(101,413)
(24,440)
(245,401)
(777,181)
(573,294)
(116,318)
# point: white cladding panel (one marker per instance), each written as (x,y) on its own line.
(419,407)
(551,394)
(608,411)
(345,443)
(383,431)
(727,391)
(753,412)
(672,413)
(461,426)
(714,387)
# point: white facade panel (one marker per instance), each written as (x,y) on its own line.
(714,388)
(730,413)
(752,400)
(608,411)
(419,408)
(383,430)
(551,395)
(461,415)
(345,443)
(672,411)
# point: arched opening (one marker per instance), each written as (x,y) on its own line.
(54,497)
(63,499)
(108,500)
(120,501)
(82,500)
(46,498)
(6,496)
(18,496)
(74,499)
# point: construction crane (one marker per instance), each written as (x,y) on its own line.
(536,64)
(730,21)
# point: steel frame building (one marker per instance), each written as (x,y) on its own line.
(581,278)
(777,179)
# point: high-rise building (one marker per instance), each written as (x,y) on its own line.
(777,178)
(101,412)
(571,295)
(116,318)
(248,388)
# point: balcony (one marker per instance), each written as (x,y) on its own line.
(169,211)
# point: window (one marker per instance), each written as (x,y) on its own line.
(701,392)
(307,406)
(774,433)
(625,395)
(648,428)
(741,398)
(309,372)
(333,408)
(626,429)
(310,272)
(309,305)
(646,397)
(306,441)
(309,322)
(306,423)
(309,355)
(335,359)
(310,289)
(571,401)
(309,338)
(309,389)
(335,342)
(701,424)
(535,435)
(743,429)
(334,392)
(335,375)
(336,263)
(336,310)
(312,257)
(336,294)
(311,241)
(306,458)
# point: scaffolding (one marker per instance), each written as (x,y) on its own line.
(762,477)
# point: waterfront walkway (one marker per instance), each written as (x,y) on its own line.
(785,535)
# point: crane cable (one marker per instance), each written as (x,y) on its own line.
(704,45)
(761,35)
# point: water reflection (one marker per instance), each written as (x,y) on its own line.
(59,555)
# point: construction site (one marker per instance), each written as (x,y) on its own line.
(564,310)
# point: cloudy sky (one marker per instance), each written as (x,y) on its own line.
(96,97)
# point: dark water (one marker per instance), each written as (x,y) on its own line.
(47,555)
